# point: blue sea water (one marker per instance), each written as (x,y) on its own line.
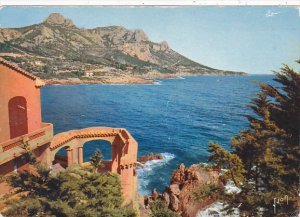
(176,117)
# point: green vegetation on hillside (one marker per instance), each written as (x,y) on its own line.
(60,45)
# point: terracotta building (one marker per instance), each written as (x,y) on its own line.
(21,123)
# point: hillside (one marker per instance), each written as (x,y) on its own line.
(57,48)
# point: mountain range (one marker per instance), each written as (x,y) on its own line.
(58,46)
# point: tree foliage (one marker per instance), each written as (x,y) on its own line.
(159,209)
(223,159)
(75,192)
(96,159)
(269,151)
(205,191)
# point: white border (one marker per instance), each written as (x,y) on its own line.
(148,2)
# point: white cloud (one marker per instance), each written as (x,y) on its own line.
(270,13)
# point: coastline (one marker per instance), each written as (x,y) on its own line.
(128,79)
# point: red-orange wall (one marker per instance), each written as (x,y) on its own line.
(7,168)
(14,84)
(21,162)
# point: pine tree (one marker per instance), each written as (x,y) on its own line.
(260,149)
(260,146)
(76,192)
(224,159)
(96,159)
(269,150)
(285,111)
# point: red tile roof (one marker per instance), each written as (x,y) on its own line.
(15,67)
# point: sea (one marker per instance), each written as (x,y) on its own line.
(174,117)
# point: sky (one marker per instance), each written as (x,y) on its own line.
(252,39)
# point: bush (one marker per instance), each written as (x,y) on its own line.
(202,192)
(75,192)
(159,209)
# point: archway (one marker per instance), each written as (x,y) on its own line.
(104,146)
(90,147)
(17,110)
(61,158)
(124,153)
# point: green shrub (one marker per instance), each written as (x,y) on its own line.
(75,192)
(202,192)
(159,209)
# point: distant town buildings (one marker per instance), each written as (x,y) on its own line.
(89,74)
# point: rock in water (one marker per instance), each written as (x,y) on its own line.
(146,158)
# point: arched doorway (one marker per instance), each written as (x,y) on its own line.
(18,122)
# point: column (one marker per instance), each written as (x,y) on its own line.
(80,155)
(69,156)
(127,183)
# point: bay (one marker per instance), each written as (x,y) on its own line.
(175,117)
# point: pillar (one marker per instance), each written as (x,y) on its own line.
(127,184)
(69,156)
(46,156)
(80,155)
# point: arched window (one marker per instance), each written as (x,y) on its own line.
(18,123)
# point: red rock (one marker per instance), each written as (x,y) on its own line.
(178,176)
(174,202)
(174,188)
(184,181)
(150,157)
(155,194)
(166,198)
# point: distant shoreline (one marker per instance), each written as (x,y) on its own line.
(123,80)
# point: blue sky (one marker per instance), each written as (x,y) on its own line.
(251,39)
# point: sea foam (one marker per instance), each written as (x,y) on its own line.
(149,170)
(215,210)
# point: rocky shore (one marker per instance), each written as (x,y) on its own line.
(191,189)
(150,78)
(150,157)
(101,80)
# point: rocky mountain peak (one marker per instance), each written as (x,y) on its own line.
(139,35)
(58,36)
(164,45)
(58,19)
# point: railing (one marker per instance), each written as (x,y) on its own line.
(19,141)
(63,138)
(106,165)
